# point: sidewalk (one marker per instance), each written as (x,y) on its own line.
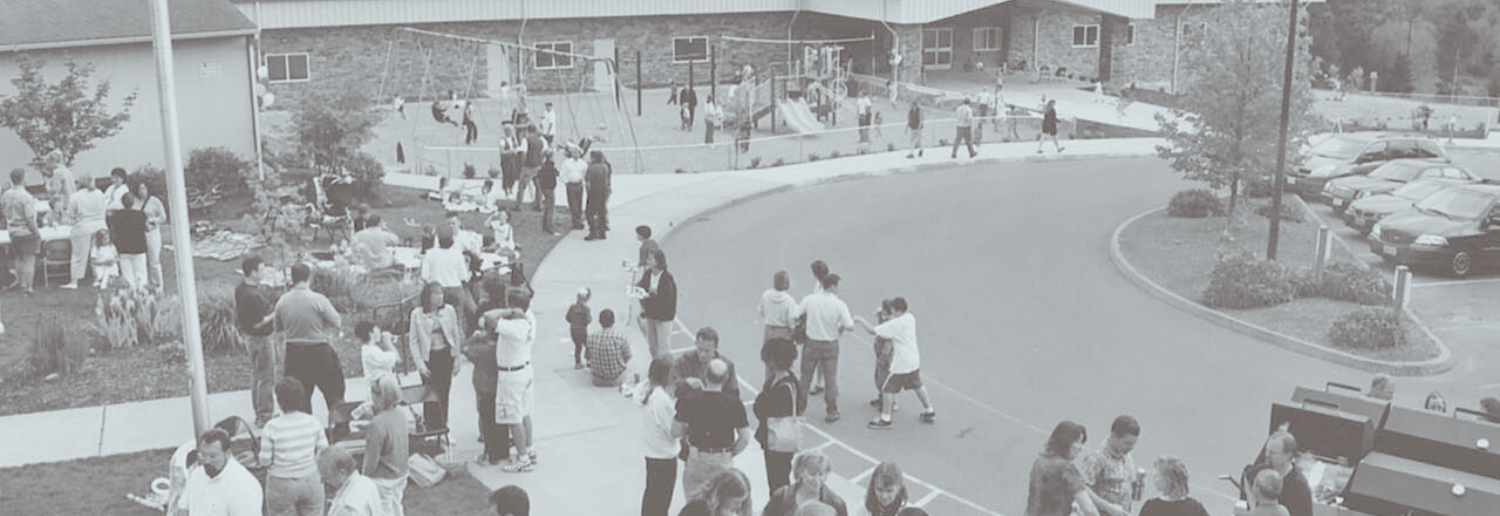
(587,437)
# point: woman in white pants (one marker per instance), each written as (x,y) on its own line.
(128,231)
(156,215)
(86,208)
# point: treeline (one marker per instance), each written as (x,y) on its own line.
(1414,45)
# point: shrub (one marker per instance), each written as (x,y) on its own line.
(469,171)
(216,318)
(755,162)
(52,352)
(942,143)
(1368,327)
(834,155)
(494,172)
(778,162)
(1289,212)
(890,147)
(155,179)
(212,167)
(1243,281)
(1345,281)
(1195,204)
(812,157)
(337,284)
(130,317)
(1258,188)
(367,172)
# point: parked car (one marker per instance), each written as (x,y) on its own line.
(1363,213)
(1455,230)
(1385,178)
(1349,154)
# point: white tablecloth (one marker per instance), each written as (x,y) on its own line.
(411,258)
(48,234)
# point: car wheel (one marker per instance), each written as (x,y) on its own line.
(1462,264)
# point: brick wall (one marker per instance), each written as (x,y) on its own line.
(354,57)
(963,35)
(1148,63)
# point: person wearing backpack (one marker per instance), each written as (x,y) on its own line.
(534,155)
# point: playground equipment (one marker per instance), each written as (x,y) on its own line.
(799,116)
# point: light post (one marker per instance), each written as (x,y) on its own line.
(1286,106)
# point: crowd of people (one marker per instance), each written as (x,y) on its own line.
(112,233)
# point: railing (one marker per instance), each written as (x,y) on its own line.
(762,152)
(1462,100)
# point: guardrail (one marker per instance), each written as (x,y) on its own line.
(1462,100)
(762,152)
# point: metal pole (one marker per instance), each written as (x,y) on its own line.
(177,200)
(614,73)
(253,52)
(1324,247)
(638,85)
(1401,291)
(713,78)
(1286,106)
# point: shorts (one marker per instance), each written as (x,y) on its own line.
(28,245)
(821,350)
(916,137)
(904,381)
(514,396)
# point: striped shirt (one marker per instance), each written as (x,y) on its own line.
(290,444)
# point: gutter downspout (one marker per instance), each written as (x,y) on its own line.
(1177,43)
(895,43)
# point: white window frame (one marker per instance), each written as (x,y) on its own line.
(1086,28)
(706,49)
(1130,34)
(979,34)
(551,49)
(937,51)
(287,65)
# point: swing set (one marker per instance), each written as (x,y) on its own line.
(513,97)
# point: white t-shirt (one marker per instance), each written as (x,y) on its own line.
(235,492)
(826,315)
(378,361)
(903,334)
(657,416)
(864,105)
(358,497)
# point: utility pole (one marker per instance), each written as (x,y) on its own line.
(1286,107)
(166,89)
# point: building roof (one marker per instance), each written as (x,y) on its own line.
(40,24)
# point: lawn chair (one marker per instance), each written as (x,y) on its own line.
(57,260)
(416,395)
(244,445)
(331,204)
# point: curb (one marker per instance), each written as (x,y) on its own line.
(1441,364)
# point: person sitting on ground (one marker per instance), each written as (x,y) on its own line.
(354,494)
(809,468)
(505,234)
(1263,496)
(1382,388)
(510,500)
(608,352)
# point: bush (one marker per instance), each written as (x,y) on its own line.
(1368,327)
(1346,281)
(216,318)
(493,172)
(834,155)
(338,285)
(778,162)
(130,317)
(52,352)
(367,172)
(812,157)
(1289,212)
(212,167)
(1195,204)
(1259,188)
(1243,281)
(469,171)
(755,162)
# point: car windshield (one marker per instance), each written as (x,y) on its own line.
(1342,147)
(1398,171)
(1457,203)
(1418,190)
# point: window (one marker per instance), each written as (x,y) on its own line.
(1130,35)
(689,49)
(287,67)
(1085,35)
(555,55)
(987,39)
(1430,149)
(937,48)
(1189,29)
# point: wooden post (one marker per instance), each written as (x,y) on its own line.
(1401,291)
(614,71)
(713,80)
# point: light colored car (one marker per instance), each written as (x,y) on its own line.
(1348,154)
(1338,193)
(1363,213)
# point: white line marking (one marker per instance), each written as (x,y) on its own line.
(1460,327)
(822,447)
(928,499)
(1455,283)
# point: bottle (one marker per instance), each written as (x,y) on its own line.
(1138,487)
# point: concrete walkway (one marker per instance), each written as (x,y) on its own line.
(588,438)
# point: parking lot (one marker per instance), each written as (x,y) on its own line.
(1465,313)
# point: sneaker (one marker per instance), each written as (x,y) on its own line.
(70,286)
(928,416)
(879,424)
(875,403)
(1060,149)
(577,365)
(833,417)
(816,390)
(532,458)
(517,466)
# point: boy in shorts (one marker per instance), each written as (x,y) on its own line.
(901,328)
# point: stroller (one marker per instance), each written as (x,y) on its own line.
(166,492)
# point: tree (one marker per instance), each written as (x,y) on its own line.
(331,130)
(62,116)
(1397,78)
(1229,122)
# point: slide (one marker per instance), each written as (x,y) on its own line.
(799,116)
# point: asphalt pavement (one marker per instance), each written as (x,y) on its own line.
(1023,320)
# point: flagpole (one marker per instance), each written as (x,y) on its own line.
(166,89)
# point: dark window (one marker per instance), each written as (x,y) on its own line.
(287,67)
(1427,149)
(689,49)
(1130,34)
(554,55)
(1085,35)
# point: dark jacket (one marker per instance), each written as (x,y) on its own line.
(689,97)
(127,231)
(663,305)
(773,401)
(784,502)
(535,151)
(547,177)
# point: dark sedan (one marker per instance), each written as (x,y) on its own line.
(1338,193)
(1363,213)
(1454,230)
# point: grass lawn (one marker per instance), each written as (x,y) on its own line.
(98,486)
(1179,254)
(151,373)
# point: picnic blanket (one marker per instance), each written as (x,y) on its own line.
(226,245)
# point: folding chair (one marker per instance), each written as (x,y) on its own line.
(413,396)
(244,445)
(57,260)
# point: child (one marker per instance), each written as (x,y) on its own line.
(884,350)
(578,325)
(886,494)
(104,259)
(378,355)
(505,237)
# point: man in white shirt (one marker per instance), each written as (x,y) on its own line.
(827,319)
(220,486)
(865,116)
(355,494)
(906,362)
(514,396)
(572,170)
(371,246)
(712,117)
(464,240)
(549,124)
(446,265)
